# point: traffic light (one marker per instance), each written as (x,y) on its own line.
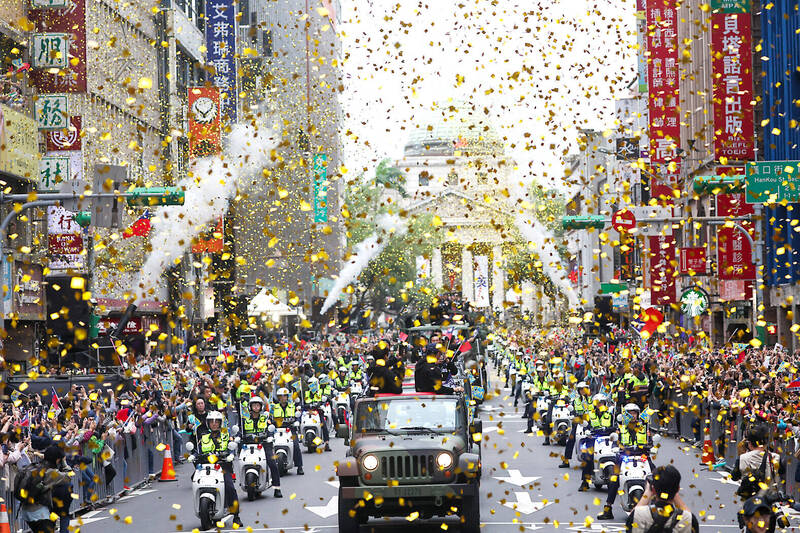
(82,218)
(717,184)
(584,222)
(149,196)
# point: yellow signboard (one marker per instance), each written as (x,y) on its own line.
(19,147)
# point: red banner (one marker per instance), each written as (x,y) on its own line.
(732,75)
(204,121)
(731,290)
(693,260)
(71,20)
(212,243)
(662,270)
(734,260)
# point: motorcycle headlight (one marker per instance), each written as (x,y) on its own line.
(369,462)
(444,460)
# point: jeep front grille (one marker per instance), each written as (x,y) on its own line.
(407,468)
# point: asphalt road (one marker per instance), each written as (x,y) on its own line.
(522,490)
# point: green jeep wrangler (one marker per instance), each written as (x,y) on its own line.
(413,455)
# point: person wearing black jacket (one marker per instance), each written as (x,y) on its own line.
(428,375)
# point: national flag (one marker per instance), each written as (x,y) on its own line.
(402,336)
(25,422)
(465,347)
(795,384)
(55,402)
(139,228)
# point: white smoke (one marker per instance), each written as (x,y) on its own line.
(365,252)
(212,182)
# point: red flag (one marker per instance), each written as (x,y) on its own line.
(740,359)
(402,336)
(795,384)
(465,347)
(140,227)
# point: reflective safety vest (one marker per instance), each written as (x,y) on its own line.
(341,384)
(255,428)
(639,383)
(219,445)
(581,405)
(604,421)
(630,439)
(280,412)
(312,398)
(539,384)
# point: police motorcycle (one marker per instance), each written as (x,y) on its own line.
(341,406)
(208,481)
(602,446)
(561,420)
(634,469)
(251,464)
(312,419)
(282,442)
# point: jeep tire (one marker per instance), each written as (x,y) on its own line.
(347,523)
(471,514)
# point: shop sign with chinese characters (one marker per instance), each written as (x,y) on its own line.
(65,239)
(662,269)
(52,111)
(69,18)
(732,72)
(221,54)
(663,100)
(50,50)
(52,171)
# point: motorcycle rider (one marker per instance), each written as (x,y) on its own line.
(522,371)
(254,431)
(634,439)
(582,406)
(342,381)
(557,390)
(600,422)
(215,442)
(284,414)
(315,398)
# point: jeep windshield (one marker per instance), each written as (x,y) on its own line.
(408,415)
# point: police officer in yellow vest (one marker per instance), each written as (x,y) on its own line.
(313,398)
(255,430)
(601,422)
(582,407)
(556,389)
(634,438)
(342,381)
(216,442)
(522,371)
(284,414)
(356,373)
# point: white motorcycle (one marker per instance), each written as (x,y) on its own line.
(208,486)
(561,421)
(542,408)
(311,428)
(251,465)
(341,405)
(633,472)
(604,454)
(284,448)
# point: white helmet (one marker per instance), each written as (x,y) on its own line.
(342,369)
(313,380)
(600,397)
(632,407)
(582,385)
(215,415)
(283,391)
(256,399)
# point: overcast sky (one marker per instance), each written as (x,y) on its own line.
(542,77)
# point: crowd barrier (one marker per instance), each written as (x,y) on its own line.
(136,461)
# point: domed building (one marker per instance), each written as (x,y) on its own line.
(455,167)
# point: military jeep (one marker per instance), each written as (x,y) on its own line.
(413,455)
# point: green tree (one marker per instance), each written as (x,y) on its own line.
(390,177)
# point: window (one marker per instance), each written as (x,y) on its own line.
(424,178)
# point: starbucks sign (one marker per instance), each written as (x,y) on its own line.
(694,302)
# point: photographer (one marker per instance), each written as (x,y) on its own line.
(755,466)
(661,509)
(760,515)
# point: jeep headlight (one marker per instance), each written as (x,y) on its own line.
(444,460)
(369,462)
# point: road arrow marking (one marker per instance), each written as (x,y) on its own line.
(516,478)
(490,429)
(725,479)
(88,518)
(334,483)
(534,527)
(489,408)
(524,504)
(135,493)
(325,511)
(609,527)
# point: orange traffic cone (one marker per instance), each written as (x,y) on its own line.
(708,449)
(5,527)
(167,469)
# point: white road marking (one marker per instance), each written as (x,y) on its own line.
(516,478)
(524,504)
(327,510)
(334,483)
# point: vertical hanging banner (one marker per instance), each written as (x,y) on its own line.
(481,281)
(221,53)
(204,121)
(320,171)
(663,101)
(732,75)
(71,22)
(734,259)
(662,269)
(641,36)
